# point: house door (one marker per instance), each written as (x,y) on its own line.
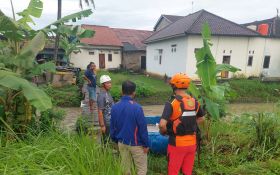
(101,61)
(226,60)
(143,62)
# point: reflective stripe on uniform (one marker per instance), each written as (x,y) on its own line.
(189,113)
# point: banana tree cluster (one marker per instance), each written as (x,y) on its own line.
(19,45)
(211,94)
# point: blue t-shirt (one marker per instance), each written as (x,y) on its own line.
(91,76)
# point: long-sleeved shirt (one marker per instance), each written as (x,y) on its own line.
(128,124)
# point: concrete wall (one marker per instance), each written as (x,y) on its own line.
(272,49)
(235,47)
(172,62)
(238,48)
(132,60)
(83,58)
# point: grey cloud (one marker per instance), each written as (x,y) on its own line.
(144,14)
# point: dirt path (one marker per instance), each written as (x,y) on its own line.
(72,114)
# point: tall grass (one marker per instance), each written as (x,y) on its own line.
(237,146)
(57,153)
(255,90)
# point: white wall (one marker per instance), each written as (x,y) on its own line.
(238,48)
(235,47)
(82,59)
(255,49)
(172,62)
(272,49)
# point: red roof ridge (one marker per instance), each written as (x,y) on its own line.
(132,29)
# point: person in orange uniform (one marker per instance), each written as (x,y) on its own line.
(179,121)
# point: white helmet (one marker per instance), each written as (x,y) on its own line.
(104,79)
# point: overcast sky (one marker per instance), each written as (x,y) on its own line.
(143,14)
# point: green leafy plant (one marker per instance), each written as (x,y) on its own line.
(211,94)
(19,98)
(71,36)
(67,96)
(50,119)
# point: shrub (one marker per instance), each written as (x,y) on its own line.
(68,96)
(255,90)
(83,125)
(51,119)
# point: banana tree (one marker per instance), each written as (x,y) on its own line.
(70,42)
(211,94)
(18,97)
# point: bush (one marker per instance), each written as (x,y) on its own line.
(83,125)
(51,119)
(115,93)
(80,79)
(144,91)
(255,91)
(68,96)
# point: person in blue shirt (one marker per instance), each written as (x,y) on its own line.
(90,77)
(128,128)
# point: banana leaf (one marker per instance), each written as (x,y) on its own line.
(34,9)
(226,67)
(39,69)
(212,108)
(35,96)
(206,64)
(9,28)
(73,17)
(25,59)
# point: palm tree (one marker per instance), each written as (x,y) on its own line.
(59,7)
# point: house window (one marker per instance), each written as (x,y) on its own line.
(250,61)
(116,52)
(110,57)
(173,48)
(91,53)
(266,62)
(160,56)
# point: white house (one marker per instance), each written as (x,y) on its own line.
(172,48)
(104,49)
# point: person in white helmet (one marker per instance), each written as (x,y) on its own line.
(104,104)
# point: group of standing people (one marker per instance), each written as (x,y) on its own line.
(124,123)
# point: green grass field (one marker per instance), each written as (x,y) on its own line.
(149,90)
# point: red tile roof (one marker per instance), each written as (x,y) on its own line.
(134,37)
(104,36)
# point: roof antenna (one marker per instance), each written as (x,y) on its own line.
(192,6)
(277,10)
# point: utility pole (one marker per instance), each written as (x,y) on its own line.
(13,9)
(192,6)
(59,9)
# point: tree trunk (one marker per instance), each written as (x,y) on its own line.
(14,17)
(57,34)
